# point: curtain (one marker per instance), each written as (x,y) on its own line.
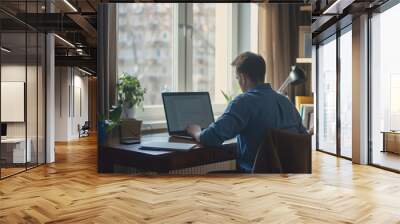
(279,43)
(106,58)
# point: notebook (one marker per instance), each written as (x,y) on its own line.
(167,146)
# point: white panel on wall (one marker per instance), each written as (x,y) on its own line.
(12,101)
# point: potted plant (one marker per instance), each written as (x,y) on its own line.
(130,97)
(130,94)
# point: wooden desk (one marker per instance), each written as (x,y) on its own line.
(391,141)
(161,161)
(14,150)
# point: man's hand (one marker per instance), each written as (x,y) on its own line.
(194,130)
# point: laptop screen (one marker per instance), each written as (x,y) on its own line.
(182,109)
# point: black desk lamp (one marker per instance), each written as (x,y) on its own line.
(296,76)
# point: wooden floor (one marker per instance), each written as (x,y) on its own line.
(71,191)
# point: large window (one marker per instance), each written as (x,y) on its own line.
(327,96)
(204,52)
(346,93)
(385,88)
(335,94)
(145,46)
(177,47)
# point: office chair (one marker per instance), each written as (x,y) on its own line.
(84,130)
(283,152)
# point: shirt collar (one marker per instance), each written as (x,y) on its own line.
(259,87)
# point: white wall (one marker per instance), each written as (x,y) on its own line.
(33,126)
(12,73)
(70,83)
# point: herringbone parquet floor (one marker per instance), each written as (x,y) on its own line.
(71,191)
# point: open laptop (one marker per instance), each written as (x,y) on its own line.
(184,108)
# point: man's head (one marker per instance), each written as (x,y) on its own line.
(250,70)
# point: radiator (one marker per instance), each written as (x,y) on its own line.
(196,170)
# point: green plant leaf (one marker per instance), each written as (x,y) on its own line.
(130,92)
(227,97)
(115,113)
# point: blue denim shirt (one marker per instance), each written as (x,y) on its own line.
(249,116)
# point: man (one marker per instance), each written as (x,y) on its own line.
(249,116)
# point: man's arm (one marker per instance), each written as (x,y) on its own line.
(231,122)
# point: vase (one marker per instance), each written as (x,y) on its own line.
(128,113)
(130,131)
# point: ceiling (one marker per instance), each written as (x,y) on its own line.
(74,22)
(328,16)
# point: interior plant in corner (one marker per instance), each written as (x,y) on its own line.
(130,97)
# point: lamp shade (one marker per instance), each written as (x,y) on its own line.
(296,76)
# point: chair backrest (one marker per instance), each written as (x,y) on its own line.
(284,152)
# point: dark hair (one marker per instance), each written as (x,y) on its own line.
(253,65)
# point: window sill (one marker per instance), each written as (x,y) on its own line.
(160,125)
(149,126)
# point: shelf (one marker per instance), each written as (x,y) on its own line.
(304,60)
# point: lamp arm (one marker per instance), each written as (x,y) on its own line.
(284,85)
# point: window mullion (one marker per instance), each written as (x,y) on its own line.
(179,47)
(189,47)
(232,49)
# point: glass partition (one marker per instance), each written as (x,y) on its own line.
(22,88)
(14,145)
(327,96)
(385,89)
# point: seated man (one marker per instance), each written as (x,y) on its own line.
(249,116)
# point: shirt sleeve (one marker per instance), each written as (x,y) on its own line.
(228,126)
(301,128)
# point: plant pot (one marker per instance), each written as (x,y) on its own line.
(130,131)
(128,113)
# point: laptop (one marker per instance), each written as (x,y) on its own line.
(184,108)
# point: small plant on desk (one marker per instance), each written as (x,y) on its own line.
(130,96)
